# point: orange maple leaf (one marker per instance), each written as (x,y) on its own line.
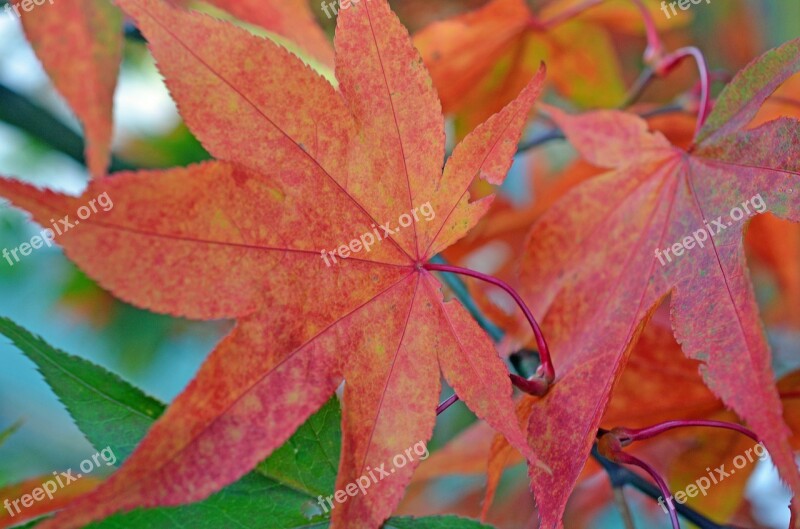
(481,59)
(80,46)
(303,170)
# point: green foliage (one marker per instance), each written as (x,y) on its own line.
(282,493)
(109,411)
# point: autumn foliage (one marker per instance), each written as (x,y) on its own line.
(635,339)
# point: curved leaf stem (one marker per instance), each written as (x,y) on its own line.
(628,459)
(546,370)
(664,64)
(460,290)
(617,474)
(620,476)
(628,435)
(532,385)
(655,49)
(671,61)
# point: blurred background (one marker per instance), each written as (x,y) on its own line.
(40,143)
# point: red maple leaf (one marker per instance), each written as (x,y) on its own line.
(606,253)
(294,233)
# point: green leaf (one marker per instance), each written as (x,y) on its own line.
(253,502)
(109,411)
(281,494)
(309,461)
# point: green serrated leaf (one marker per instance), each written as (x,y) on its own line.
(309,461)
(109,411)
(281,494)
(253,502)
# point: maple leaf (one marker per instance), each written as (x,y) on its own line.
(597,290)
(481,59)
(775,244)
(292,19)
(114,416)
(86,484)
(80,46)
(302,169)
(643,396)
(80,43)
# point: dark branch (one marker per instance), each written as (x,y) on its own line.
(20,112)
(620,476)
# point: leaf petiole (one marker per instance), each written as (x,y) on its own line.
(546,371)
(610,447)
(628,435)
(655,48)
(663,64)
(671,61)
(533,385)
(446,403)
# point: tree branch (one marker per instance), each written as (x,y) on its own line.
(624,508)
(621,477)
(25,115)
